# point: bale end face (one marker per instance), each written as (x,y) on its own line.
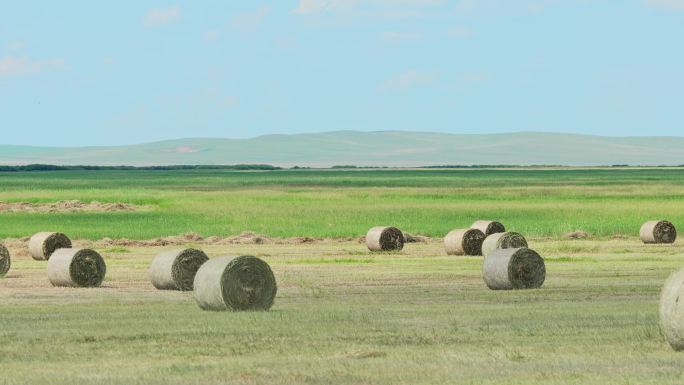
(658,232)
(42,245)
(672,310)
(76,268)
(384,238)
(506,269)
(506,240)
(464,242)
(235,283)
(176,269)
(488,227)
(5,261)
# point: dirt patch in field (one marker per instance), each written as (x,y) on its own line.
(577,234)
(68,206)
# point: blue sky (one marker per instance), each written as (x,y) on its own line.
(101,73)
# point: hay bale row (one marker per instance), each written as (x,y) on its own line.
(506,269)
(507,240)
(176,269)
(384,238)
(43,245)
(235,283)
(4,260)
(464,242)
(658,232)
(76,268)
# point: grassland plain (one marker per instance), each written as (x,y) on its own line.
(337,203)
(343,315)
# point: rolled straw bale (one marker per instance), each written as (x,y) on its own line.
(4,260)
(658,232)
(488,227)
(672,310)
(176,269)
(42,245)
(235,283)
(464,242)
(507,240)
(384,238)
(506,269)
(76,268)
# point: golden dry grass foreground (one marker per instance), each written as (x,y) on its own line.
(345,316)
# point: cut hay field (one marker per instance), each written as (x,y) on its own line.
(343,315)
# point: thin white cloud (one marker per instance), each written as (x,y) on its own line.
(212,35)
(320,6)
(460,32)
(401,37)
(251,19)
(160,16)
(504,6)
(409,79)
(317,6)
(13,66)
(676,5)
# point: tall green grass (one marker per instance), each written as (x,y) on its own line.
(338,203)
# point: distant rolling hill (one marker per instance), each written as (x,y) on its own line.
(385,148)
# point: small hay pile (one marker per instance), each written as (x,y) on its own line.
(176,269)
(464,242)
(235,283)
(507,240)
(488,227)
(4,260)
(42,245)
(506,269)
(384,238)
(672,310)
(658,232)
(410,238)
(76,268)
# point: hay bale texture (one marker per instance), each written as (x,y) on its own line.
(488,227)
(235,283)
(76,268)
(42,245)
(507,240)
(506,269)
(176,269)
(464,242)
(384,238)
(4,260)
(658,232)
(672,310)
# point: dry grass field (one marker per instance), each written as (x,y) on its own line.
(343,315)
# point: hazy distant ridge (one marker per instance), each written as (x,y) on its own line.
(386,148)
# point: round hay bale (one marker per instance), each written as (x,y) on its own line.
(235,283)
(76,268)
(176,269)
(507,240)
(4,260)
(521,268)
(488,227)
(672,310)
(384,238)
(42,245)
(464,242)
(658,232)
